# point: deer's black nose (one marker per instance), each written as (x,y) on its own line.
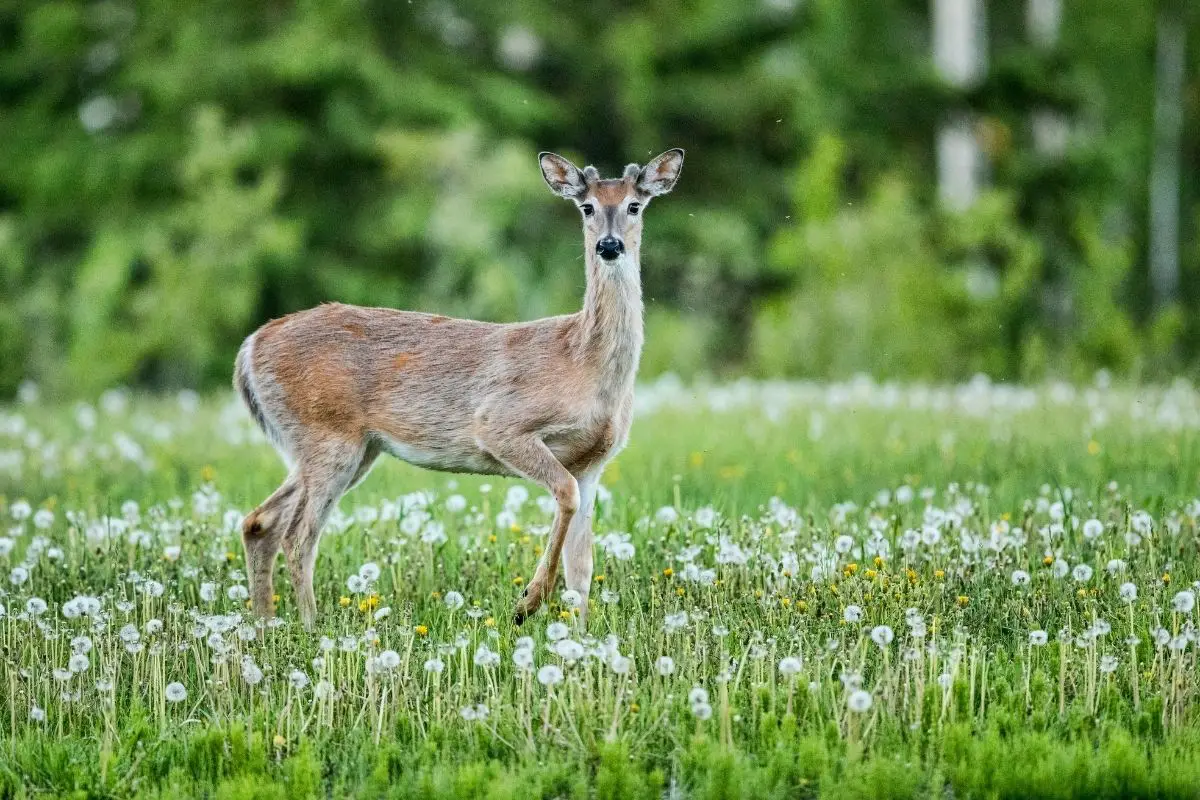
(609,248)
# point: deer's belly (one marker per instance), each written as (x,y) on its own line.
(463,457)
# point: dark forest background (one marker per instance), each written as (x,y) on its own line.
(173,173)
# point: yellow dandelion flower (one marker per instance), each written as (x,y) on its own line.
(492,539)
(421,630)
(1093,448)
(279,740)
(599,578)
(679,592)
(517,581)
(207,474)
(343,601)
(963,600)
(939,574)
(490,622)
(668,572)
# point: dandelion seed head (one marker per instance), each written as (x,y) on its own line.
(882,635)
(550,675)
(790,666)
(859,701)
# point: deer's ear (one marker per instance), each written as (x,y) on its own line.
(563,177)
(659,176)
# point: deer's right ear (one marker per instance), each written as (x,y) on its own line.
(563,177)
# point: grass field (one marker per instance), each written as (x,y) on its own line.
(802,590)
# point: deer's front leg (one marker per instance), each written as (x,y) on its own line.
(529,457)
(578,548)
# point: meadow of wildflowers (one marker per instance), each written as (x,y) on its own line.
(801,590)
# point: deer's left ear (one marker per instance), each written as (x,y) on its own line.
(659,176)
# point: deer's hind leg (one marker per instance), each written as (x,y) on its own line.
(327,471)
(262,532)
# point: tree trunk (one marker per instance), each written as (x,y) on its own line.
(1164,170)
(960,55)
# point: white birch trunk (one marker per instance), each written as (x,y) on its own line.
(1164,170)
(960,56)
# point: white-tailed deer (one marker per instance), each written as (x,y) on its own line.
(548,400)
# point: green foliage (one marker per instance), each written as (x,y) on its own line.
(175,175)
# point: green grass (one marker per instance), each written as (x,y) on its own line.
(849,581)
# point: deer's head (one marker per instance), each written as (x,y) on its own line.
(612,209)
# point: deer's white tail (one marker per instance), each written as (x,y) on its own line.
(243,381)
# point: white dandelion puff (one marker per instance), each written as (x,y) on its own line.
(790,666)
(859,701)
(882,635)
(1184,601)
(550,675)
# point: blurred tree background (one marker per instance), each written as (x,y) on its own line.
(173,174)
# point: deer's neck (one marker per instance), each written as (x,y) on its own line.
(611,320)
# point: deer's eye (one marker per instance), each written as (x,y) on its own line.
(588,209)
(634,208)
